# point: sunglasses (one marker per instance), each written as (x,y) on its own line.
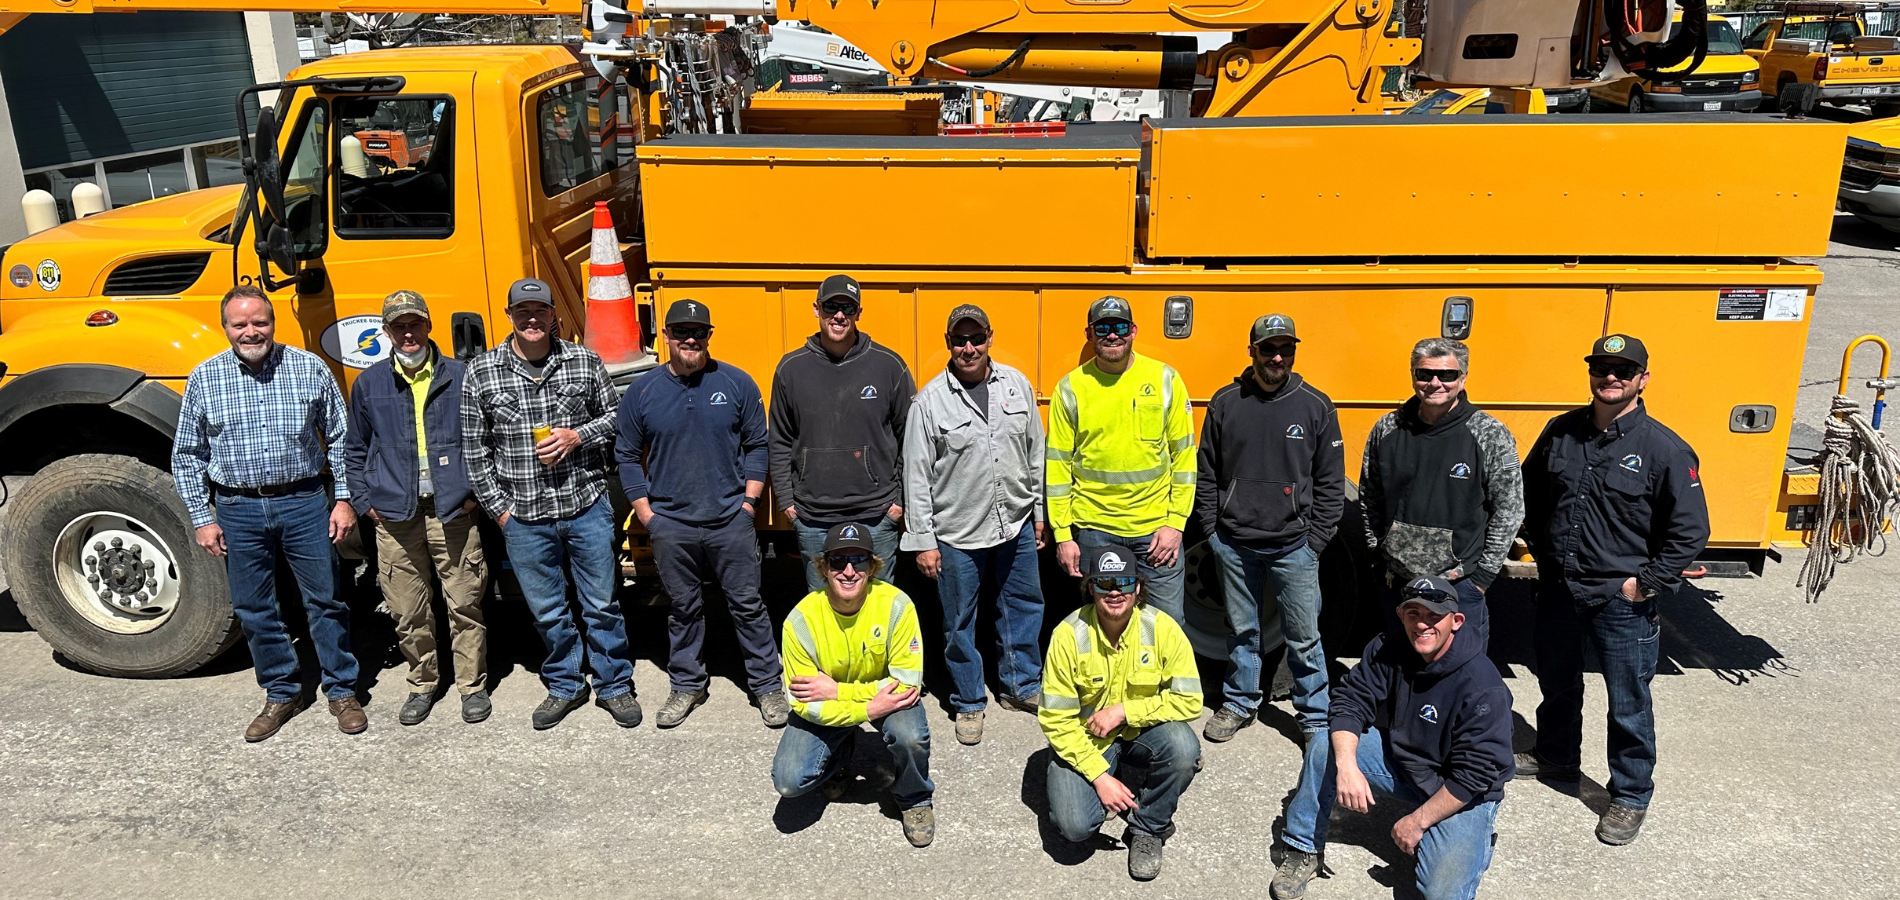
(966,340)
(1269,351)
(1443,376)
(838,561)
(1112,585)
(689,332)
(834,307)
(1430,596)
(1622,371)
(1118,329)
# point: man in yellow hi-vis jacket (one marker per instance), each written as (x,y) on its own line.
(1119,688)
(1121,461)
(853,654)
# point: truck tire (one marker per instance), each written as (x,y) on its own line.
(1636,102)
(115,519)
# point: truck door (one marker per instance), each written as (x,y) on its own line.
(383,220)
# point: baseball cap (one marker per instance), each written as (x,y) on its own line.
(689,312)
(1108,562)
(1619,347)
(1272,325)
(849,536)
(1108,308)
(969,311)
(1435,594)
(842,286)
(402,303)
(530,290)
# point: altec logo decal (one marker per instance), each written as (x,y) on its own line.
(1461,471)
(846,51)
(1429,713)
(1633,463)
(1295,433)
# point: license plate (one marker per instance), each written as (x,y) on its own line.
(1711,106)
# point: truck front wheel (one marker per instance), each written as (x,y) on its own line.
(101,559)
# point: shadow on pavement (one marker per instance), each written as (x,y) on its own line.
(1855,233)
(1035,796)
(10,618)
(1694,635)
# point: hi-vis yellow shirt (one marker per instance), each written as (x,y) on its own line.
(861,652)
(1120,450)
(1151,673)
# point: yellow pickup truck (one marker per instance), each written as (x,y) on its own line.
(1728,80)
(1870,173)
(1828,57)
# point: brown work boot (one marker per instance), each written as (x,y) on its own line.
(272,718)
(350,718)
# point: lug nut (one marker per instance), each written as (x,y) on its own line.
(99,546)
(92,580)
(135,551)
(104,593)
(117,543)
(151,584)
(148,565)
(92,562)
(143,597)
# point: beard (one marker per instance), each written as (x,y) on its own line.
(1272,377)
(251,353)
(411,360)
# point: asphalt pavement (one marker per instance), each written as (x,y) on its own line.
(1777,724)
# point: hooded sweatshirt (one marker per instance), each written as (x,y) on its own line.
(1442,500)
(837,428)
(1446,724)
(1272,466)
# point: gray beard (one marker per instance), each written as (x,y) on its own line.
(410,360)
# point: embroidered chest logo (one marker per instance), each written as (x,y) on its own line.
(1460,471)
(1147,659)
(869,393)
(1295,433)
(1632,462)
(719,398)
(1147,390)
(877,632)
(1429,713)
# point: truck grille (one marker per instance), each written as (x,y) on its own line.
(158,274)
(1712,86)
(1867,165)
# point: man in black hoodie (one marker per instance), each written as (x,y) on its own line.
(1270,490)
(1424,718)
(838,409)
(1441,485)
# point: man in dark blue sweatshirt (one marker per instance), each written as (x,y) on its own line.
(1423,718)
(693,462)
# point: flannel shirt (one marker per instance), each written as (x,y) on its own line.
(501,405)
(246,429)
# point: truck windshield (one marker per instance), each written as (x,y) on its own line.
(1722,38)
(1439,101)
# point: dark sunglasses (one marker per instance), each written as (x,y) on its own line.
(1269,351)
(1444,376)
(1112,585)
(1622,371)
(834,307)
(837,561)
(965,340)
(1430,596)
(689,332)
(1118,329)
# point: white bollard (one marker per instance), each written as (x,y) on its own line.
(42,211)
(350,151)
(88,200)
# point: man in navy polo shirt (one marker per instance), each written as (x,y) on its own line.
(693,463)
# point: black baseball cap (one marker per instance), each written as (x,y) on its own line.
(849,536)
(1272,325)
(530,290)
(1108,562)
(969,311)
(1619,347)
(1110,308)
(688,312)
(1435,594)
(842,287)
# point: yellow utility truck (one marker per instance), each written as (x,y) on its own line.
(1727,80)
(1279,196)
(1870,174)
(1821,52)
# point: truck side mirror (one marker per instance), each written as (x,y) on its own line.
(470,338)
(267,169)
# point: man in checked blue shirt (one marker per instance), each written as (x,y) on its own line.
(258,425)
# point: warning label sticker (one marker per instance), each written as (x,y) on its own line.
(1761,305)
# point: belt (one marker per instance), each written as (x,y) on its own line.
(270,490)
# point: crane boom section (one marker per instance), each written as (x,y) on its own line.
(17,9)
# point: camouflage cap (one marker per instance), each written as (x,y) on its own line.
(402,303)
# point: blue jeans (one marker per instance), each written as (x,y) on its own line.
(1165,585)
(1008,573)
(1247,575)
(1157,767)
(585,543)
(809,753)
(297,526)
(811,547)
(1452,856)
(1622,638)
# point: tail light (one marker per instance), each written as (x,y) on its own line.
(1820,69)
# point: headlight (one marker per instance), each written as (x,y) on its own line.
(1751,77)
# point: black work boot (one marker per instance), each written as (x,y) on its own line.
(1225,724)
(416,708)
(1620,824)
(679,705)
(624,708)
(476,707)
(1144,854)
(554,709)
(1289,881)
(1530,765)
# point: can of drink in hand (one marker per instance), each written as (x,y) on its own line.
(542,433)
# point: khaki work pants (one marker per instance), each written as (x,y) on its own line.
(406,553)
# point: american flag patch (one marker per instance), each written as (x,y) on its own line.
(914,646)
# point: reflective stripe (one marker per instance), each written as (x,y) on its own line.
(1102,476)
(1066,395)
(1147,628)
(1167,396)
(1052,701)
(815,710)
(1059,490)
(1185,685)
(1186,441)
(1184,477)
(802,632)
(898,604)
(1088,712)
(1083,646)
(911,677)
(1057,455)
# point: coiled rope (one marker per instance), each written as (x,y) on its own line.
(1860,495)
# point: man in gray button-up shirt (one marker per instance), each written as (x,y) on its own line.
(973,448)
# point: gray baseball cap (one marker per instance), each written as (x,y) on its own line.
(530,290)
(969,311)
(1435,594)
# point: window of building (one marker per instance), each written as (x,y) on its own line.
(136,179)
(402,184)
(570,125)
(60,183)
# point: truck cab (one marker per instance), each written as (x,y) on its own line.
(102,319)
(1829,58)
(1728,80)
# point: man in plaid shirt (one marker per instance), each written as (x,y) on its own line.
(547,491)
(257,426)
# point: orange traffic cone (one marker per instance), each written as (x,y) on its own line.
(613,325)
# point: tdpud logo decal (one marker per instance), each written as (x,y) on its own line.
(1295,433)
(1461,471)
(1632,462)
(1429,713)
(355,341)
